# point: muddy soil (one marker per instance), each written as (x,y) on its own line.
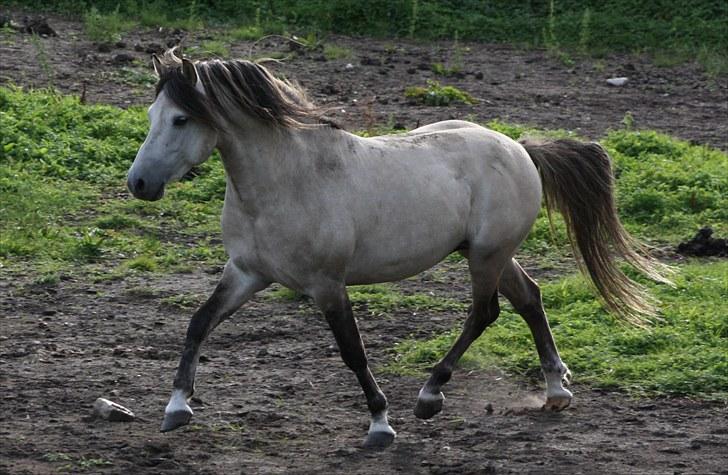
(514,85)
(274,397)
(272,393)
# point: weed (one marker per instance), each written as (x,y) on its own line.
(285,294)
(442,70)
(714,61)
(436,95)
(135,77)
(57,457)
(42,57)
(48,278)
(117,222)
(183,301)
(142,263)
(382,298)
(88,247)
(212,48)
(585,31)
(246,33)
(332,52)
(628,121)
(87,463)
(105,28)
(142,292)
(413,18)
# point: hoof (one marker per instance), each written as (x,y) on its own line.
(176,419)
(428,405)
(378,440)
(556,403)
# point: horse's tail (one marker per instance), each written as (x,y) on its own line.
(578,181)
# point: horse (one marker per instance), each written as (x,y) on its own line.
(315,208)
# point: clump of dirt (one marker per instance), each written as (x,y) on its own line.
(704,245)
(34,25)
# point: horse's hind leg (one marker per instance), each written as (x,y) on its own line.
(334,303)
(234,289)
(485,272)
(525,296)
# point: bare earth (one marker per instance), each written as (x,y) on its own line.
(272,393)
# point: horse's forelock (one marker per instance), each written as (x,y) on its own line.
(186,96)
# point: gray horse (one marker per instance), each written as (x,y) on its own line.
(315,208)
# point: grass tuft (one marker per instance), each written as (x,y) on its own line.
(437,95)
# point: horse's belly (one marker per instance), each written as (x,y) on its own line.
(390,258)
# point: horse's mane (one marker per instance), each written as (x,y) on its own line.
(235,86)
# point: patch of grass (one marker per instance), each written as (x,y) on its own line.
(382,298)
(183,301)
(142,263)
(246,33)
(443,70)
(332,52)
(437,95)
(57,457)
(285,294)
(105,27)
(209,48)
(682,354)
(134,76)
(142,292)
(85,463)
(63,166)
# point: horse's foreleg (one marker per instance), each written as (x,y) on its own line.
(335,305)
(234,289)
(485,310)
(525,296)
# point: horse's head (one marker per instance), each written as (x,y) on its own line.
(179,135)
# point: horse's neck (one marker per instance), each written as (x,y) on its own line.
(262,159)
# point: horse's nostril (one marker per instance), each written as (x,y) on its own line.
(140,185)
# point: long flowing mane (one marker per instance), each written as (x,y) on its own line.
(235,86)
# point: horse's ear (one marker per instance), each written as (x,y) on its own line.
(157,63)
(189,71)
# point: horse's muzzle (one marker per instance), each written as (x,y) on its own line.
(145,190)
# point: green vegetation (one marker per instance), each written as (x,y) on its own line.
(682,354)
(380,299)
(62,168)
(64,208)
(71,465)
(437,95)
(336,52)
(105,27)
(442,70)
(685,30)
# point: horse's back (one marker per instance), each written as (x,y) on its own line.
(436,189)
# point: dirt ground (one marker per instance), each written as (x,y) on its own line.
(272,393)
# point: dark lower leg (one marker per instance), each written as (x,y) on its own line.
(338,313)
(525,296)
(483,313)
(232,291)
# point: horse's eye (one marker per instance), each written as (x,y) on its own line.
(180,120)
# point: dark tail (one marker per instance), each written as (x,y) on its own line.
(578,182)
